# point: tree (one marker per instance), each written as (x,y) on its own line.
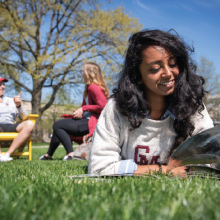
(53,114)
(45,42)
(61,105)
(207,70)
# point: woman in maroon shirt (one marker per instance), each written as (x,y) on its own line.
(85,118)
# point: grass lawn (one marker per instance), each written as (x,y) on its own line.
(45,144)
(40,144)
(42,190)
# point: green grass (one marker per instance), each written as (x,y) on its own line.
(45,144)
(40,144)
(42,190)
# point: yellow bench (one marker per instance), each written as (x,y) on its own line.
(7,137)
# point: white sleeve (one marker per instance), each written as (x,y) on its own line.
(22,114)
(202,121)
(105,152)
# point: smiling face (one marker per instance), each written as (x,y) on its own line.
(2,88)
(159,71)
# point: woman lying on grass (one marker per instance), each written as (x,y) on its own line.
(85,118)
(156,106)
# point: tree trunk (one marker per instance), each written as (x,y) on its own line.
(36,109)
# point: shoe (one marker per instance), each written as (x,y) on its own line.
(45,158)
(5,157)
(67,158)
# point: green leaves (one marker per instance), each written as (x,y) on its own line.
(48,42)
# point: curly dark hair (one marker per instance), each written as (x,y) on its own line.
(188,93)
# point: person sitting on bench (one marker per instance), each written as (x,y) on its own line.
(85,118)
(10,108)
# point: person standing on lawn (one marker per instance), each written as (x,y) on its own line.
(156,106)
(10,108)
(85,118)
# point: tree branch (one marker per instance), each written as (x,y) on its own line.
(50,34)
(50,102)
(18,82)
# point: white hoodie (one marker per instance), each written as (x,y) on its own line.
(116,150)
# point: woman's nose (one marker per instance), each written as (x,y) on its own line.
(167,71)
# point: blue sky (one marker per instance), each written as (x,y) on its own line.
(197,21)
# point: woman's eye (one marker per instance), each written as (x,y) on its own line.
(155,70)
(173,65)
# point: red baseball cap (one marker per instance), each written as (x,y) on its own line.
(3,79)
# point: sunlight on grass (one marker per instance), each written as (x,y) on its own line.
(42,190)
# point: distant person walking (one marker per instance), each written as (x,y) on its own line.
(85,118)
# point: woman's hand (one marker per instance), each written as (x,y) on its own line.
(17,100)
(175,167)
(77,114)
(149,169)
(181,171)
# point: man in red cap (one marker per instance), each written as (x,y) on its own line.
(10,108)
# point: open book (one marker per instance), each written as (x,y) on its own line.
(201,153)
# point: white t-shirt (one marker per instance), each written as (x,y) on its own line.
(9,111)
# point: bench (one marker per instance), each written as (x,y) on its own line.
(6,139)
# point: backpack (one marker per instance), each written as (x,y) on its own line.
(83,150)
